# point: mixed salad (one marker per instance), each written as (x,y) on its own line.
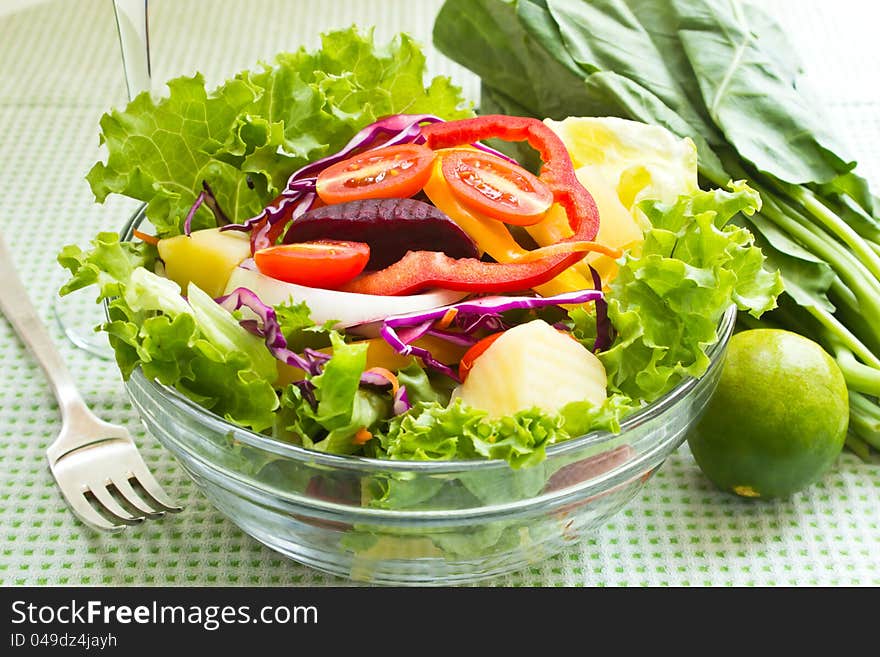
(336,259)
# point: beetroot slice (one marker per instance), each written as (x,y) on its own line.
(390,226)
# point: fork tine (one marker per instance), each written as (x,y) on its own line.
(133,498)
(112,506)
(86,513)
(148,482)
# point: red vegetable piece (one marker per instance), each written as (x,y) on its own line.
(470,356)
(497,188)
(424,269)
(323,263)
(390,172)
(420,269)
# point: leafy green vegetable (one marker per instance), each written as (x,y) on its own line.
(632,54)
(419,387)
(196,346)
(343,408)
(516,62)
(249,134)
(432,432)
(296,322)
(739,82)
(665,303)
(580,418)
(108,265)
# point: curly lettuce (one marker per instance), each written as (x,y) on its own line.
(249,134)
(191,344)
(667,301)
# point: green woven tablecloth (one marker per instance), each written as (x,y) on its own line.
(60,69)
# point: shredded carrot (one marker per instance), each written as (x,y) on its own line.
(388,374)
(145,237)
(447,319)
(564,248)
(362,436)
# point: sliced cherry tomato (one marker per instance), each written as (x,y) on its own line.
(496,187)
(467,361)
(323,263)
(390,172)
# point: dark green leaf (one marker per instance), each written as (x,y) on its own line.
(751,99)
(605,35)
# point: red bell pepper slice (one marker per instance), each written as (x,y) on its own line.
(418,270)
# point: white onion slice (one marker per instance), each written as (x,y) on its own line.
(348,308)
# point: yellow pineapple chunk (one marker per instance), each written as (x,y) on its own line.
(206,258)
(533,365)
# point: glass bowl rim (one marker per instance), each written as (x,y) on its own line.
(362,463)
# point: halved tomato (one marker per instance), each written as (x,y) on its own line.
(390,172)
(496,187)
(467,361)
(322,263)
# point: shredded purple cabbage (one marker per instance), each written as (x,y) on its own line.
(206,197)
(214,206)
(401,403)
(390,336)
(268,327)
(461,339)
(412,333)
(472,310)
(390,131)
(374,379)
(399,331)
(187,223)
(603,323)
(308,391)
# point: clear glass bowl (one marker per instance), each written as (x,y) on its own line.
(401,522)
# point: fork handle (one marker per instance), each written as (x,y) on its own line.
(16,305)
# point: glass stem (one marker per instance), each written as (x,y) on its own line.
(132,25)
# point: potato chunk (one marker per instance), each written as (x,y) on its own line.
(533,365)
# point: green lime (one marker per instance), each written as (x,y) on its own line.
(778,419)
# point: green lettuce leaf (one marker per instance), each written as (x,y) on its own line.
(433,432)
(418,386)
(298,328)
(107,265)
(194,346)
(582,417)
(343,408)
(249,134)
(666,303)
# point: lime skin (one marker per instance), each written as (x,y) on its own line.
(778,418)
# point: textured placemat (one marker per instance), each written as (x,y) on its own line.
(59,70)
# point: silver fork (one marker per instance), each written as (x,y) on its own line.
(91,459)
